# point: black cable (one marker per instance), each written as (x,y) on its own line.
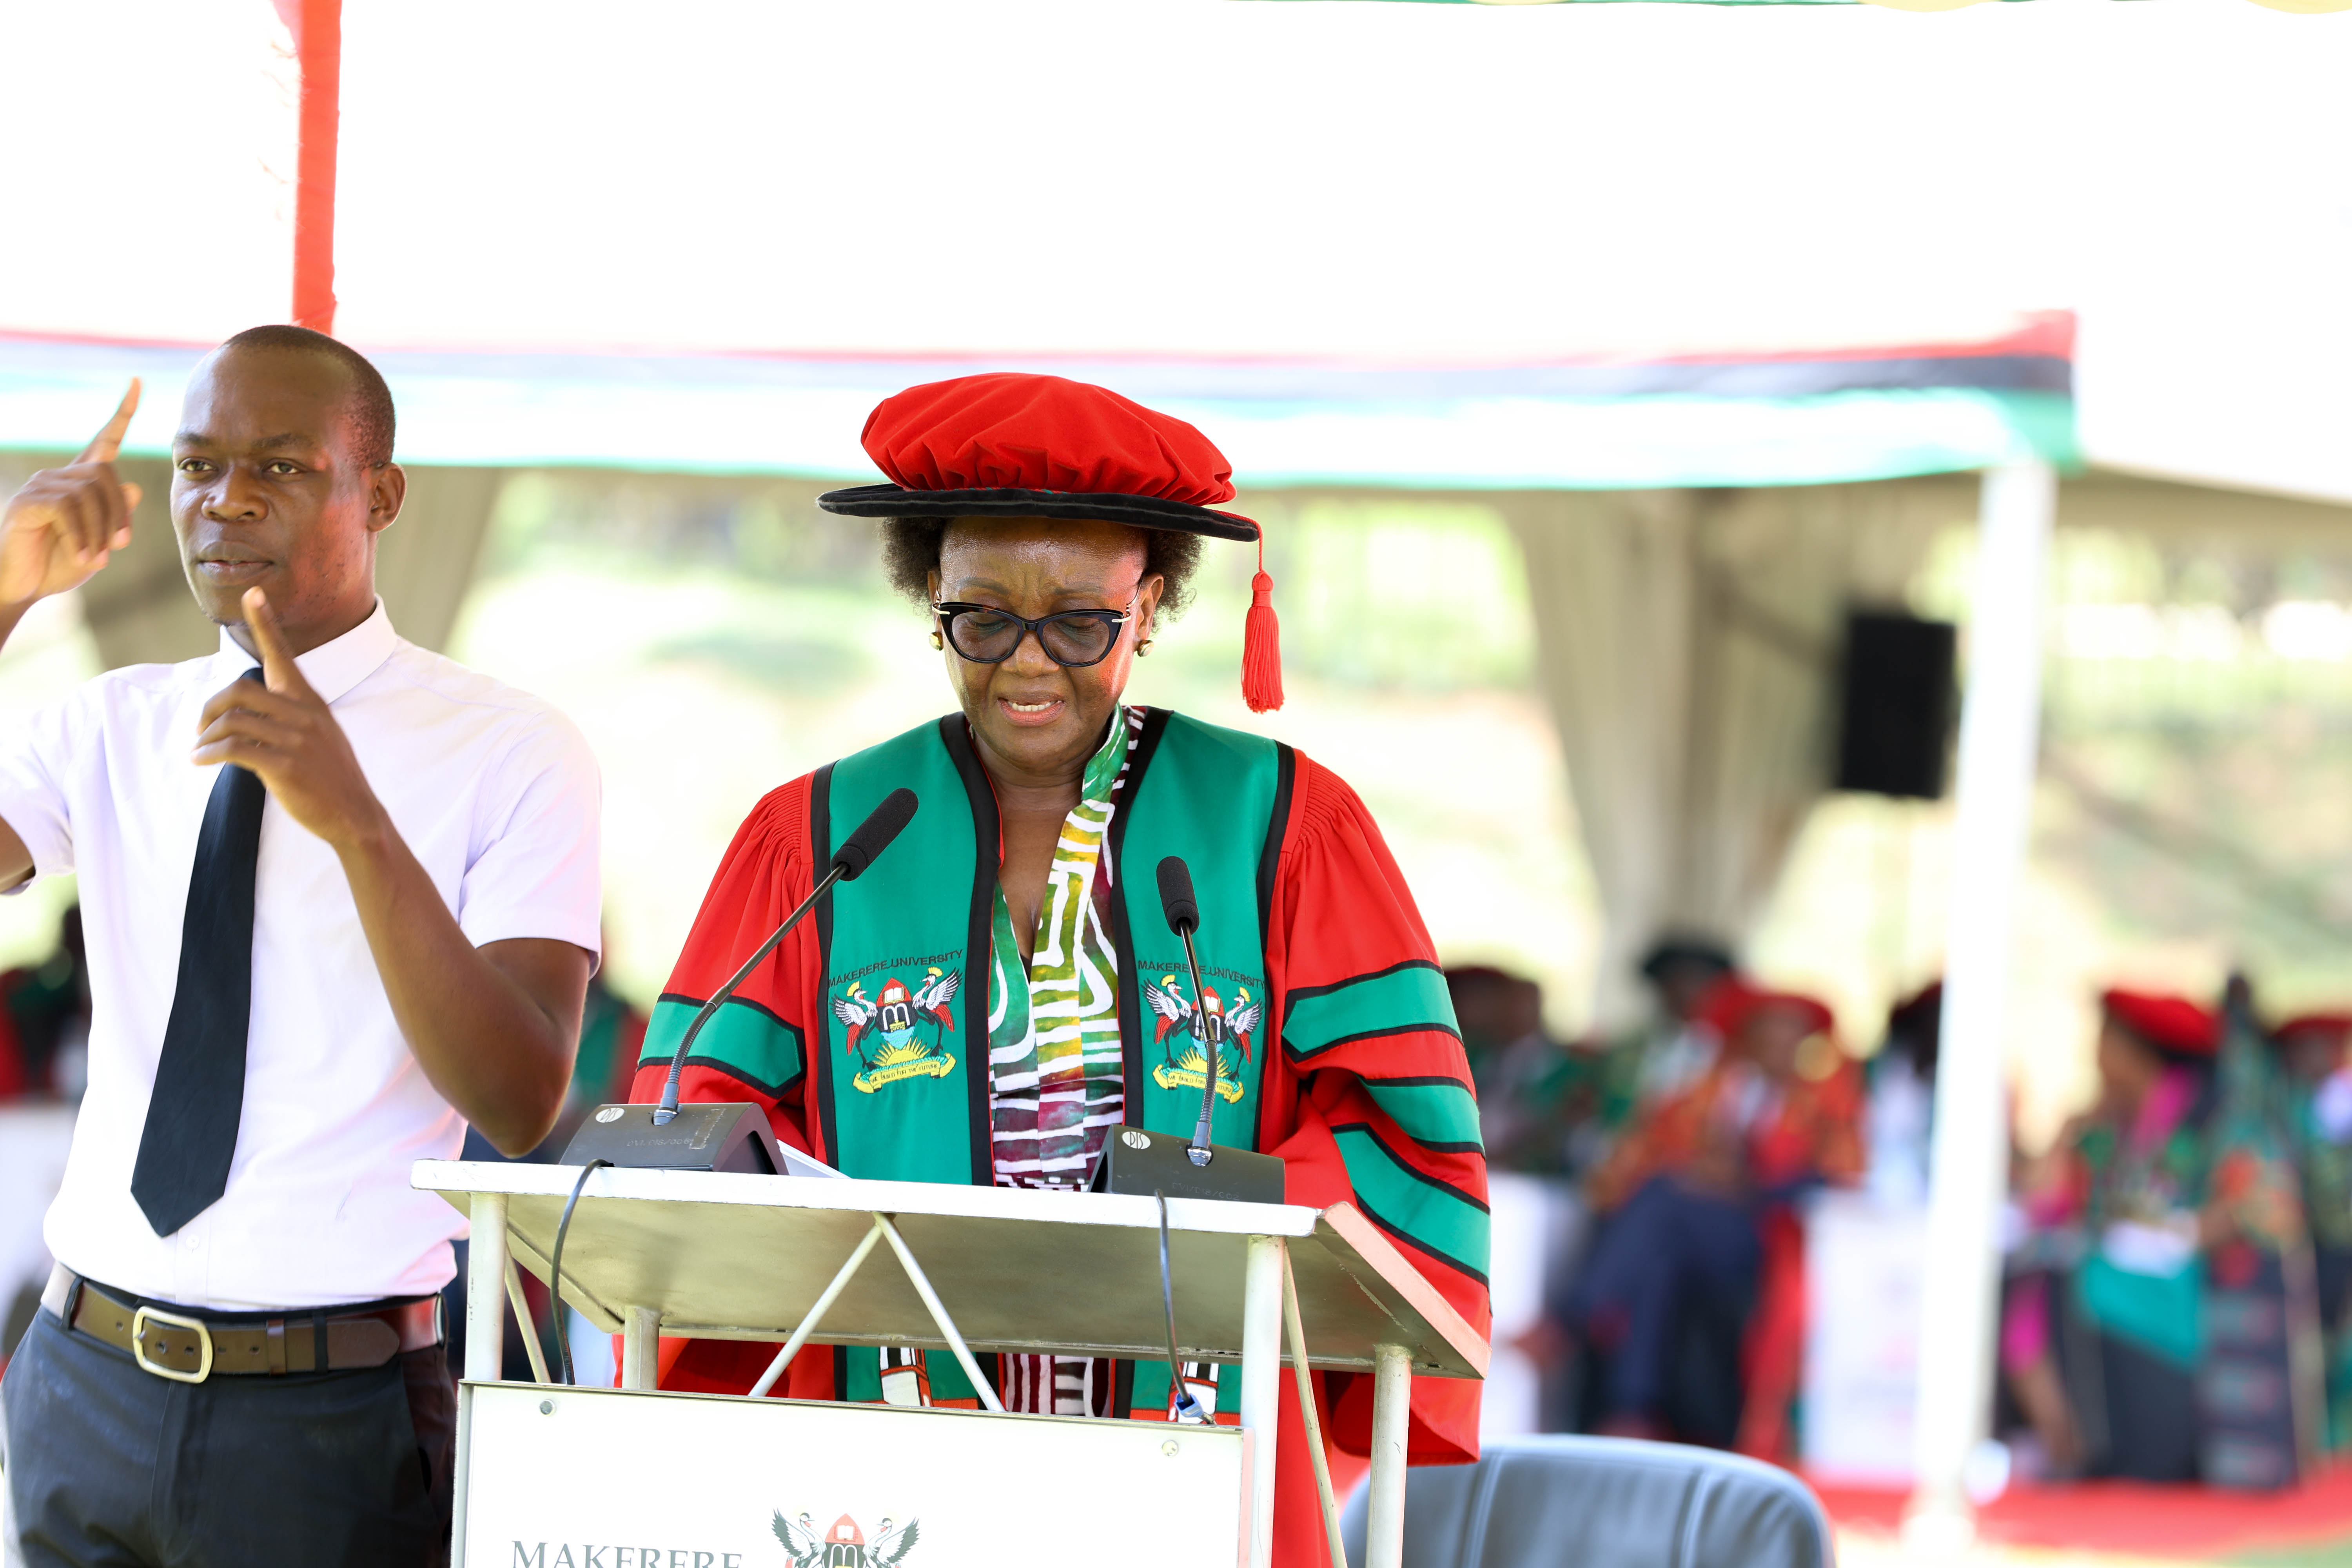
(555,1275)
(1187,1407)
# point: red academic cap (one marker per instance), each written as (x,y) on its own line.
(2336,1024)
(1733,999)
(1013,445)
(2172,1024)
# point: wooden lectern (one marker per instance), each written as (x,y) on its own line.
(633,1477)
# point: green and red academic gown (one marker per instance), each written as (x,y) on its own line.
(1367,1099)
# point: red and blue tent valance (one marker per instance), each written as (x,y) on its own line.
(1862,412)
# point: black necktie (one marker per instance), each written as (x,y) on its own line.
(191,1132)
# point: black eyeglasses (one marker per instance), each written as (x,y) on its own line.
(1073,639)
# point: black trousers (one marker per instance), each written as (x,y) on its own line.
(112,1466)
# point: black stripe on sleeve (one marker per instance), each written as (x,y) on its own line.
(1303,993)
(818,1063)
(1130,998)
(1404,1237)
(987,849)
(1407,1166)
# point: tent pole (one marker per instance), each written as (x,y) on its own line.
(319,46)
(2000,721)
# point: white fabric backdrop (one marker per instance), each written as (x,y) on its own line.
(1688,643)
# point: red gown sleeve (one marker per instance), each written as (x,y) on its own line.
(755,1048)
(1368,1096)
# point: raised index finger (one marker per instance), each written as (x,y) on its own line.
(277,669)
(108,442)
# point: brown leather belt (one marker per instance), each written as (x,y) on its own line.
(189,1348)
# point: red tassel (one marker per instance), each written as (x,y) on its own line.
(1262,643)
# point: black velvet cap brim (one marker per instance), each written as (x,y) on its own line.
(1135,512)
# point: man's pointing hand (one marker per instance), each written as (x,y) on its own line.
(284,731)
(59,529)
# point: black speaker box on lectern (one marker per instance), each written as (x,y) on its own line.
(1896,705)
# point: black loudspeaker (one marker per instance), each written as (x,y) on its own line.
(1896,705)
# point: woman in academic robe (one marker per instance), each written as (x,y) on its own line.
(999,989)
(2101,1335)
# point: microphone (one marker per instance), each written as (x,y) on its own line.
(1176,897)
(858,851)
(1183,919)
(874,834)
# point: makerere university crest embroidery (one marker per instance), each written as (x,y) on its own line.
(842,1545)
(1209,1027)
(886,1030)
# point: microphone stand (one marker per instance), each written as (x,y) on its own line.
(1213,1046)
(873,835)
(669,1107)
(1139,1162)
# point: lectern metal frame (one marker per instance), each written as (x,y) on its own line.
(740,1256)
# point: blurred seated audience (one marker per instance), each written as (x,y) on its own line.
(611,1034)
(2313,1058)
(1693,1196)
(1626,1073)
(1530,1090)
(1900,1114)
(2101,1329)
(45,1020)
(2258,1376)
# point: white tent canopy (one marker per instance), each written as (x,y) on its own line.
(1197,178)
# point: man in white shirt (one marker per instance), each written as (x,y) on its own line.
(340,899)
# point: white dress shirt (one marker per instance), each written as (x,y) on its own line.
(497,794)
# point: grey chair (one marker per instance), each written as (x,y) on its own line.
(1602,1502)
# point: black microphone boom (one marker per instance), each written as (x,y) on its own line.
(850,862)
(728,1137)
(1183,912)
(1147,1163)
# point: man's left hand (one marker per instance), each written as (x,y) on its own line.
(283,730)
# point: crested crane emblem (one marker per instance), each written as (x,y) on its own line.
(1200,1033)
(841,1544)
(886,1030)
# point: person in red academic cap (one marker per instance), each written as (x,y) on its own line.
(1692,1197)
(2100,1347)
(1001,989)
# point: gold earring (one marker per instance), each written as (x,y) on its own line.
(937,641)
(1143,647)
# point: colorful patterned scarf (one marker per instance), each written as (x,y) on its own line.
(1056,1072)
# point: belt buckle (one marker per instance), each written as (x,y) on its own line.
(146,1315)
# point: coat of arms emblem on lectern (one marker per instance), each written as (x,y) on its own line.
(842,1544)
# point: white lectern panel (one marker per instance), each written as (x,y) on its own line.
(577,1478)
